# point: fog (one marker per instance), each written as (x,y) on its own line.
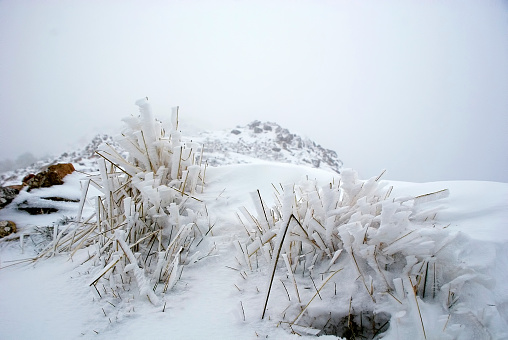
(415,87)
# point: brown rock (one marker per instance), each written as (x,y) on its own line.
(16,187)
(62,170)
(53,175)
(7,228)
(27,178)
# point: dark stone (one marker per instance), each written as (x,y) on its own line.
(38,211)
(7,194)
(236,132)
(254,124)
(258,130)
(60,199)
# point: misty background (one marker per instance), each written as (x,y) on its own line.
(419,88)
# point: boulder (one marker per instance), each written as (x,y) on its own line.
(53,175)
(254,124)
(7,194)
(7,228)
(62,169)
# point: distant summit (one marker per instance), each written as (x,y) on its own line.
(267,141)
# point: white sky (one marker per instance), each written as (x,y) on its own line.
(419,88)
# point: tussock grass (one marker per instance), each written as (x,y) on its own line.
(353,227)
(147,220)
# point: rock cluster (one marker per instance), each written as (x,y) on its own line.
(53,175)
(267,141)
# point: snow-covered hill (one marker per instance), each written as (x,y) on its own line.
(241,145)
(266,141)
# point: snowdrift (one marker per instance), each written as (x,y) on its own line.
(52,298)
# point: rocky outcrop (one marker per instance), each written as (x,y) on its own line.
(7,228)
(7,194)
(53,175)
(267,141)
(35,205)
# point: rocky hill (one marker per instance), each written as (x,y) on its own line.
(243,144)
(267,141)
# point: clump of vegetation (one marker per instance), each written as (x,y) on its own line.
(147,220)
(347,254)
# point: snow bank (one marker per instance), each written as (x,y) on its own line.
(218,298)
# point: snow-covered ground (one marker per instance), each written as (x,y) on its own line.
(218,299)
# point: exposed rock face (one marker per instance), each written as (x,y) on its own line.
(54,175)
(7,194)
(7,228)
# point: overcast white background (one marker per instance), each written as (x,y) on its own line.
(419,88)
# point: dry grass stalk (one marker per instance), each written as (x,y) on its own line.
(282,236)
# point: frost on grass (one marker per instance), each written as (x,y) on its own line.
(147,221)
(349,260)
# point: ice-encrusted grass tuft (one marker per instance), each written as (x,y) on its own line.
(147,221)
(352,261)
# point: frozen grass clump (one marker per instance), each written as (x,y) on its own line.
(351,261)
(147,221)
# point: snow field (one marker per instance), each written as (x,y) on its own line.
(168,248)
(205,301)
